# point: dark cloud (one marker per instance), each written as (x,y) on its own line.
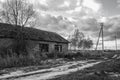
(92,27)
(89,25)
(55,24)
(111,28)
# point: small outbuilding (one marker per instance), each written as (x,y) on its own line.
(38,40)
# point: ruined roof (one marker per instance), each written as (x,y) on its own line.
(9,31)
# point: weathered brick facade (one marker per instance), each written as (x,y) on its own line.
(33,46)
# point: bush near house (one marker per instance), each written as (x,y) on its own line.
(80,55)
(18,61)
(8,60)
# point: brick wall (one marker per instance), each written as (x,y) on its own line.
(33,46)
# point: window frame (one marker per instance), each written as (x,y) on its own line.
(43,47)
(58,48)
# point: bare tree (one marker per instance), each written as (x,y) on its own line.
(76,38)
(17,12)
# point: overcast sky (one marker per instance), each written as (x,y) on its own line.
(61,15)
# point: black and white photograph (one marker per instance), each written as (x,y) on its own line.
(59,39)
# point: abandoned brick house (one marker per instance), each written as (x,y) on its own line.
(39,40)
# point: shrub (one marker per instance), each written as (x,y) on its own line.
(18,61)
(55,54)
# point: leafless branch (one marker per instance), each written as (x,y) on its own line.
(17,12)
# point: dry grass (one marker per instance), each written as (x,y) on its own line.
(19,61)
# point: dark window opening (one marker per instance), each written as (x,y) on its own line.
(58,48)
(43,47)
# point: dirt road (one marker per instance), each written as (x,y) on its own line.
(50,73)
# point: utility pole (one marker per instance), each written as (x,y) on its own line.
(101,32)
(116,40)
(98,38)
(102,36)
